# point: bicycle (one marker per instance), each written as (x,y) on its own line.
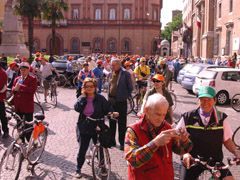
(236,137)
(235,102)
(100,156)
(138,99)
(52,91)
(11,161)
(64,80)
(215,173)
(174,99)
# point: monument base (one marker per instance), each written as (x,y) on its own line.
(13,50)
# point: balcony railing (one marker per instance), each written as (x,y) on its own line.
(62,22)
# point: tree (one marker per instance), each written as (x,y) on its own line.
(172,26)
(29,9)
(52,11)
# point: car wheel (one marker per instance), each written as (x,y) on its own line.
(222,97)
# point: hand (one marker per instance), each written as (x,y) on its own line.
(17,87)
(237,153)
(115,114)
(183,135)
(83,93)
(165,137)
(186,160)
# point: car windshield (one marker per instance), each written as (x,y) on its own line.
(207,75)
(195,70)
(187,67)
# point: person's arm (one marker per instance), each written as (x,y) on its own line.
(80,104)
(30,88)
(170,111)
(129,83)
(229,144)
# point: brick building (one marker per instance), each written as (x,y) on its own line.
(104,26)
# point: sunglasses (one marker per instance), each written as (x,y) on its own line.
(157,81)
(91,86)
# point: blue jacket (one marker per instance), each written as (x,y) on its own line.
(101,108)
(124,85)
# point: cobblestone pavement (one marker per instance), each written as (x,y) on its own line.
(59,160)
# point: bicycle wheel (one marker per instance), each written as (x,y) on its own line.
(138,103)
(11,163)
(235,102)
(75,81)
(53,95)
(174,99)
(236,137)
(101,163)
(130,105)
(37,148)
(38,108)
(62,81)
(205,175)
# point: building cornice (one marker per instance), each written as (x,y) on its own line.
(199,2)
(229,24)
(218,28)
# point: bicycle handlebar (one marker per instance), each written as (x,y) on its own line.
(110,115)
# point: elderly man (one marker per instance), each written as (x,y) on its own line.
(92,64)
(150,141)
(120,88)
(24,87)
(3,94)
(208,129)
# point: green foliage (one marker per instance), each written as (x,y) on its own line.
(27,8)
(9,60)
(172,26)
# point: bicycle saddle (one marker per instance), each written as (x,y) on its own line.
(39,116)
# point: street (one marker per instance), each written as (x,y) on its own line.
(59,159)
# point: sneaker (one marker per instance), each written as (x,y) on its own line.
(78,175)
(5,135)
(104,172)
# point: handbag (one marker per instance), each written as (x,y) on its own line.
(105,137)
(142,74)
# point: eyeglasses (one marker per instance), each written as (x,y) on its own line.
(157,81)
(91,86)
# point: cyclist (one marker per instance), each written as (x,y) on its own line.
(128,67)
(15,68)
(142,72)
(89,104)
(85,72)
(208,129)
(98,73)
(69,70)
(159,87)
(46,70)
(164,70)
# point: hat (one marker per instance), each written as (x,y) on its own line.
(70,58)
(158,77)
(99,62)
(37,53)
(24,65)
(162,62)
(24,59)
(143,59)
(12,65)
(207,91)
(127,63)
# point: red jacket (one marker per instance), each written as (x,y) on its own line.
(24,98)
(160,166)
(3,82)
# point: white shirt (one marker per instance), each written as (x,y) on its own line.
(46,70)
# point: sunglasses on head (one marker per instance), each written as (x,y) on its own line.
(91,86)
(158,81)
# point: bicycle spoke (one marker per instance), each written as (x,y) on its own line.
(236,137)
(235,102)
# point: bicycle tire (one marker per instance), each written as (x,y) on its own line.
(14,156)
(37,148)
(236,137)
(75,81)
(205,175)
(54,97)
(235,102)
(130,105)
(62,81)
(138,104)
(174,99)
(104,163)
(38,108)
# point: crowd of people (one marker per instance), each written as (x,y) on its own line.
(147,144)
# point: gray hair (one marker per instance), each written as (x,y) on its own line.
(116,60)
(156,100)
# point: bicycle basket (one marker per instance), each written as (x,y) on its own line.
(105,137)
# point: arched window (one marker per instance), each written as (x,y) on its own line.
(97,45)
(126,45)
(126,14)
(75,45)
(155,15)
(112,14)
(75,14)
(98,14)
(155,46)
(112,45)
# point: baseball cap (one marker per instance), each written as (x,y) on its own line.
(127,63)
(99,62)
(12,65)
(24,59)
(25,65)
(207,91)
(158,77)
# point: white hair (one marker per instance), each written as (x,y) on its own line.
(156,100)
(115,60)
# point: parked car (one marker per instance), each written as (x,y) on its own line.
(75,56)
(226,82)
(182,72)
(190,75)
(61,65)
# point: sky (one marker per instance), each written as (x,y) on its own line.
(168,6)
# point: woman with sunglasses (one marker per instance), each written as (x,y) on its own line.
(159,87)
(89,104)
